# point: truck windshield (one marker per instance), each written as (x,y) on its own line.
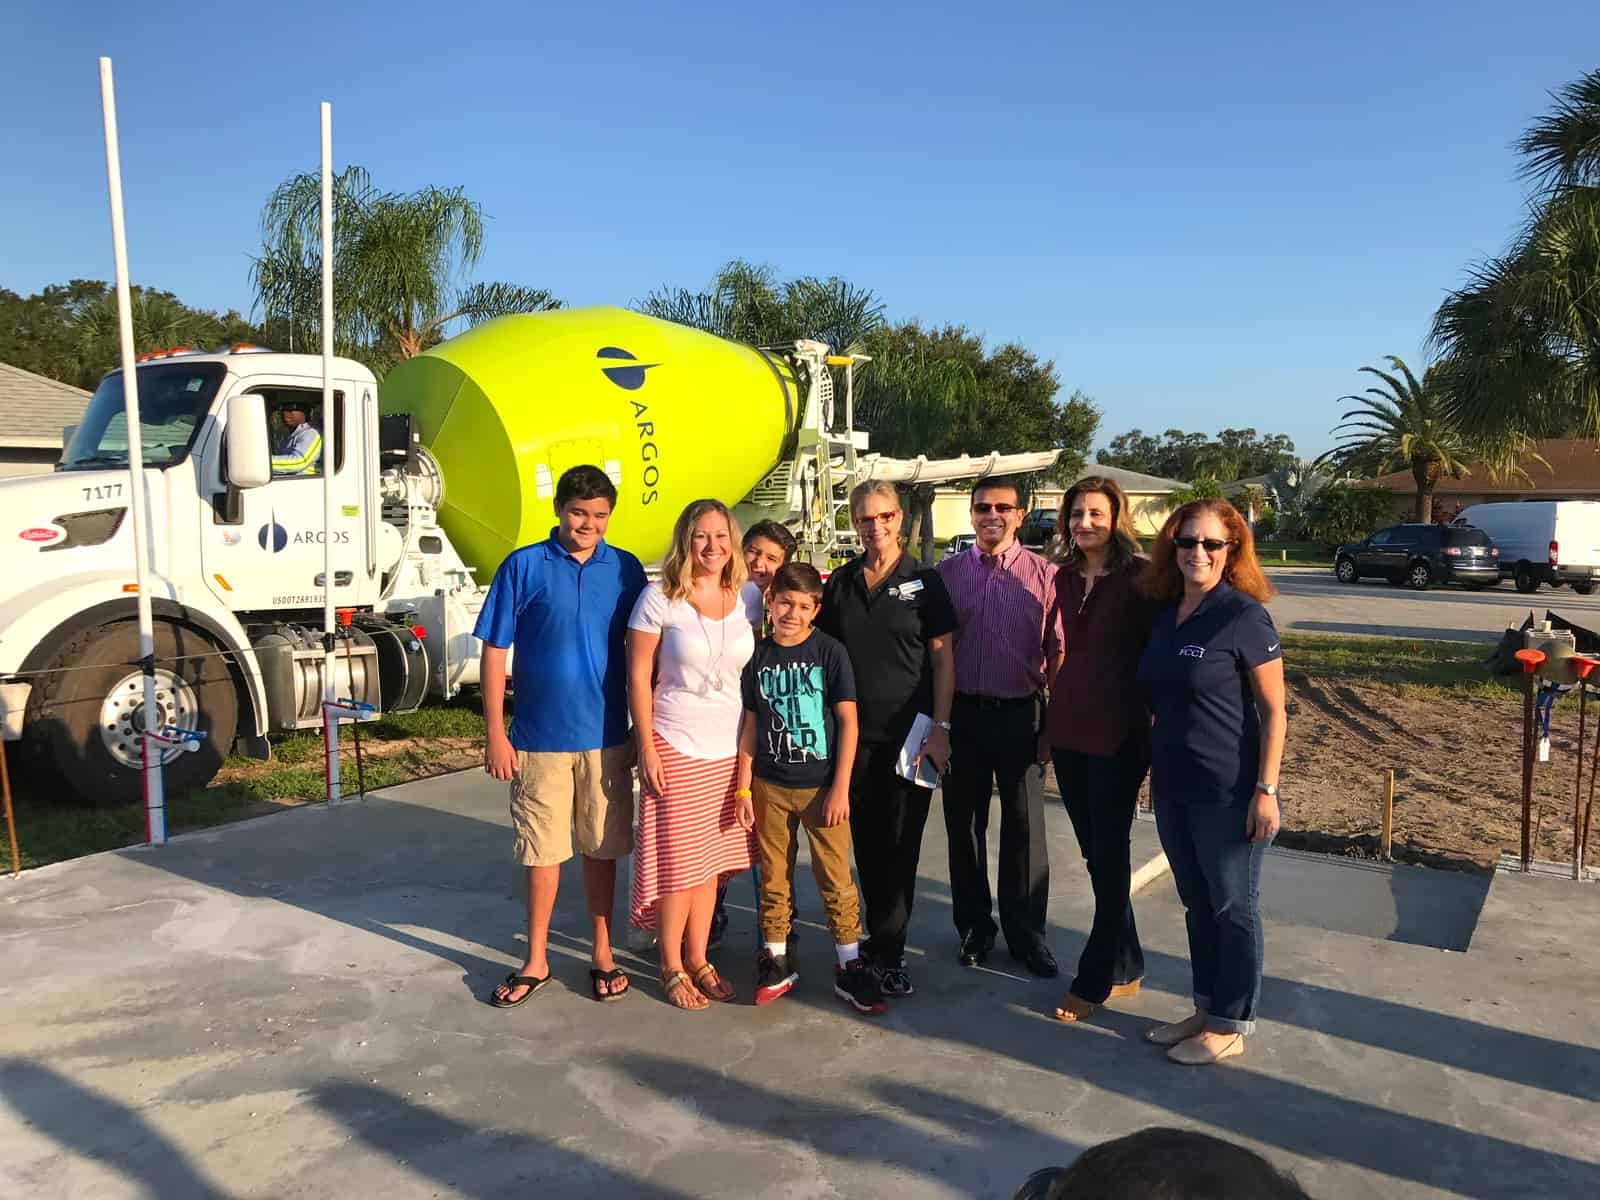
(174,399)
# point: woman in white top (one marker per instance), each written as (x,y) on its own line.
(688,641)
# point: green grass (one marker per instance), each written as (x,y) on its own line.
(1411,665)
(48,831)
(1294,554)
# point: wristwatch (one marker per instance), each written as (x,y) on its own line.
(944,725)
(1270,789)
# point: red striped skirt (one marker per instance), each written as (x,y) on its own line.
(688,835)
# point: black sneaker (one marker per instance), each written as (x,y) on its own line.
(855,984)
(892,979)
(774,977)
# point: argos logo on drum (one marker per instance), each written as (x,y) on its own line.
(41,534)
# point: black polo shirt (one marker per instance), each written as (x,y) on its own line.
(886,632)
(1205,741)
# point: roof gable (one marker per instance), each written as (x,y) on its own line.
(34,409)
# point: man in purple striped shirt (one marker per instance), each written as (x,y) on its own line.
(1007,646)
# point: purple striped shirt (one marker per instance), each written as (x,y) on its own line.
(1009,625)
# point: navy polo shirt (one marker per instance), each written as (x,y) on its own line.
(565,621)
(1205,742)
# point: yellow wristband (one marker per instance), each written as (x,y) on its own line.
(741,793)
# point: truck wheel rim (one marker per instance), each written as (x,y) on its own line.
(122,715)
(1419,576)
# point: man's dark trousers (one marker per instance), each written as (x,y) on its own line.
(887,815)
(994,745)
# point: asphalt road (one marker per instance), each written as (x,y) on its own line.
(1319,603)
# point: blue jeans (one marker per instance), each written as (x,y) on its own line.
(1217,871)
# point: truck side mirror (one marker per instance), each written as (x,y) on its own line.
(249,462)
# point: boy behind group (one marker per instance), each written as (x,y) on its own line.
(796,747)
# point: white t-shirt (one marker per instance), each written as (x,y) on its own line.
(698,705)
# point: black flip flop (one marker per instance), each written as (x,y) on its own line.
(513,980)
(611,977)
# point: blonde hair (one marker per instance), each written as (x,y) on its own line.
(677,569)
(865,490)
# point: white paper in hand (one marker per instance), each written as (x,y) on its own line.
(925,774)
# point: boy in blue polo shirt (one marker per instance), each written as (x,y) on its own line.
(563,604)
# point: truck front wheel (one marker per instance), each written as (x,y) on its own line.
(85,721)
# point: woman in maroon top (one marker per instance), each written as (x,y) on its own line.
(1097,730)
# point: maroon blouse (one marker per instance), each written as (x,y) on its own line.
(1095,702)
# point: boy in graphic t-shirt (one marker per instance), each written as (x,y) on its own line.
(798,741)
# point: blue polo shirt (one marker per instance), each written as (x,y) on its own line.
(1206,736)
(565,622)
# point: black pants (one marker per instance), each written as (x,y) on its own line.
(887,815)
(1100,792)
(994,746)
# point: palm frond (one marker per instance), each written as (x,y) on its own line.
(1562,148)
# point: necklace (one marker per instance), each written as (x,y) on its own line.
(713,681)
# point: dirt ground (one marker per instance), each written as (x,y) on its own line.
(1457,765)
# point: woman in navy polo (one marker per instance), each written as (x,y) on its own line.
(1213,676)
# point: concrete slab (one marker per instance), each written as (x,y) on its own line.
(291,1008)
(1377,900)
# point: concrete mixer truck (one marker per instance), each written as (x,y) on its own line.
(438,473)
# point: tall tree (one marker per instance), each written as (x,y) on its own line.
(1523,335)
(397,262)
(910,402)
(1406,423)
(748,303)
(1232,454)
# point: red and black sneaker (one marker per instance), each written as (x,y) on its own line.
(855,984)
(773,977)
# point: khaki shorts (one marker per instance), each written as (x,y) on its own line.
(559,793)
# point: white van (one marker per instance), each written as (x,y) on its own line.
(1543,541)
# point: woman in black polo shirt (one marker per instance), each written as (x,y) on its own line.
(895,620)
(1097,730)
(1213,676)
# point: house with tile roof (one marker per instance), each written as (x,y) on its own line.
(1570,471)
(34,411)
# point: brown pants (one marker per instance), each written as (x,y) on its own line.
(779,813)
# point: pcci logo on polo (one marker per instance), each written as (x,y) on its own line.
(1192,652)
(273,536)
(630,377)
(40,534)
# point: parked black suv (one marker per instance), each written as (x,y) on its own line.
(1420,555)
(1038,527)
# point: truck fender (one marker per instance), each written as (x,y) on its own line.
(101,601)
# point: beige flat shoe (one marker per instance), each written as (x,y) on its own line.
(1192,1054)
(1178,1031)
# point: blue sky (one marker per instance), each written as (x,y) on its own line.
(1206,215)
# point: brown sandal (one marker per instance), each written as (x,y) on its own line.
(672,981)
(1075,1008)
(717,989)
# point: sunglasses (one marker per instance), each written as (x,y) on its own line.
(984,510)
(1212,545)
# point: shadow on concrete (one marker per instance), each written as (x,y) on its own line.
(1293,1115)
(1407,904)
(957,1154)
(471,1160)
(102,1130)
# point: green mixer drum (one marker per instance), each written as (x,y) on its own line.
(670,413)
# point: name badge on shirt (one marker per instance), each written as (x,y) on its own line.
(907,590)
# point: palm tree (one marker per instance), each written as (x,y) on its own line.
(1524,334)
(396,260)
(1404,423)
(748,303)
(910,403)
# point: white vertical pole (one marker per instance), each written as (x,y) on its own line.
(155,798)
(330,458)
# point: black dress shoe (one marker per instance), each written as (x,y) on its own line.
(1039,960)
(975,948)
